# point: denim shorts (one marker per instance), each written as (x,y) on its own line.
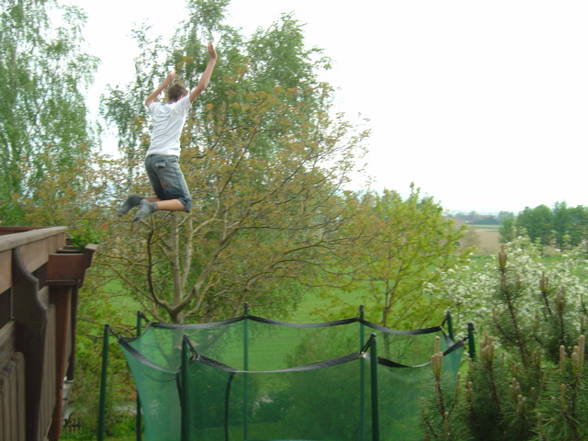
(167,179)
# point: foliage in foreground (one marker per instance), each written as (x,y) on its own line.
(530,380)
(537,281)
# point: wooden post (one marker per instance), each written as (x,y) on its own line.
(5,284)
(74,321)
(12,402)
(31,326)
(61,298)
(39,280)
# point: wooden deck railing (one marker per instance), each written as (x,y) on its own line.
(39,280)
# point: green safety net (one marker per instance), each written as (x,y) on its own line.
(251,378)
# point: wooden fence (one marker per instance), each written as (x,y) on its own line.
(39,280)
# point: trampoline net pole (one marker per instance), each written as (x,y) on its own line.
(449,321)
(138,434)
(245,367)
(374,389)
(103,379)
(183,386)
(361,375)
(471,341)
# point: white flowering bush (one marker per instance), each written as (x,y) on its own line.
(529,381)
(471,289)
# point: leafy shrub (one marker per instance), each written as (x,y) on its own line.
(529,381)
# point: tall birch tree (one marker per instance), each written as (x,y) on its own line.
(44,123)
(266,161)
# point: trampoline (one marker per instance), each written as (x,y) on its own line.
(255,379)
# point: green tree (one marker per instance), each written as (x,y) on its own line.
(403,245)
(570,224)
(578,230)
(264,157)
(507,228)
(562,226)
(503,215)
(538,223)
(43,116)
(561,223)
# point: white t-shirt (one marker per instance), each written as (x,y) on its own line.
(167,121)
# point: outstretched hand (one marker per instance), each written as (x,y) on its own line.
(205,78)
(153,95)
(211,51)
(170,77)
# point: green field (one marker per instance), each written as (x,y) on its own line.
(485,227)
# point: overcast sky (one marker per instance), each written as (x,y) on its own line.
(482,104)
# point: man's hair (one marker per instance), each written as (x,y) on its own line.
(175,92)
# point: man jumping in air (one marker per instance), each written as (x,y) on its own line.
(162,160)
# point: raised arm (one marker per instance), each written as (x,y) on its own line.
(153,95)
(205,78)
